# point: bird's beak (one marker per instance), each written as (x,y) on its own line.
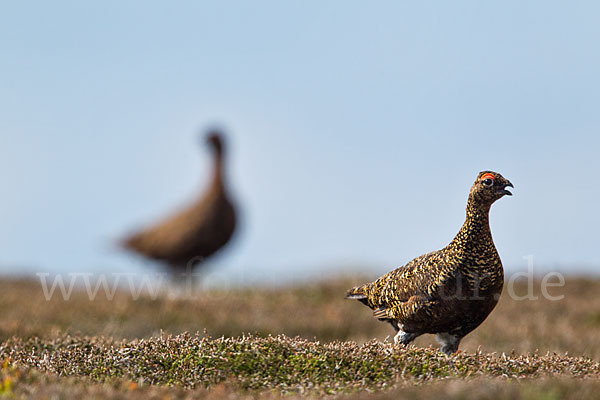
(504,191)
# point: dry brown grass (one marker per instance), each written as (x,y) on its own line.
(310,311)
(317,311)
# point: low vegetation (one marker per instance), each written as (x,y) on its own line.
(300,341)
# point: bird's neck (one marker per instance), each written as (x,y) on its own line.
(218,174)
(476,228)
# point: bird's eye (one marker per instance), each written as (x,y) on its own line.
(488,182)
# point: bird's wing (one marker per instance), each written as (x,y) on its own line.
(422,278)
(167,236)
(415,278)
(417,293)
(415,309)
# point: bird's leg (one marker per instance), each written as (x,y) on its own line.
(404,337)
(181,281)
(449,342)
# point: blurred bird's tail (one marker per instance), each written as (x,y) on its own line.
(136,242)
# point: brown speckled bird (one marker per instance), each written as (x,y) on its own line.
(449,292)
(189,236)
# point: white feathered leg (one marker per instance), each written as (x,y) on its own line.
(404,337)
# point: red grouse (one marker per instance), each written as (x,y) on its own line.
(191,235)
(448,292)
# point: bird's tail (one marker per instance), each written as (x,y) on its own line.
(360,293)
(357,293)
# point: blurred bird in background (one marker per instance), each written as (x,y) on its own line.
(448,292)
(185,239)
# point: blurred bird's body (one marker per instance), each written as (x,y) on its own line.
(189,236)
(448,292)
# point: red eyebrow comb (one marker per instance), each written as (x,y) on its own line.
(488,175)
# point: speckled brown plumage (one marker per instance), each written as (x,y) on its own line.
(188,237)
(448,292)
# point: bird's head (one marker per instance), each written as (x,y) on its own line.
(214,139)
(489,187)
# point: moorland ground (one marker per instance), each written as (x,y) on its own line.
(298,340)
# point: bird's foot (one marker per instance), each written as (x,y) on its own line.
(449,342)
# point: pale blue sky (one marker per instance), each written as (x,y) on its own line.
(356,128)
